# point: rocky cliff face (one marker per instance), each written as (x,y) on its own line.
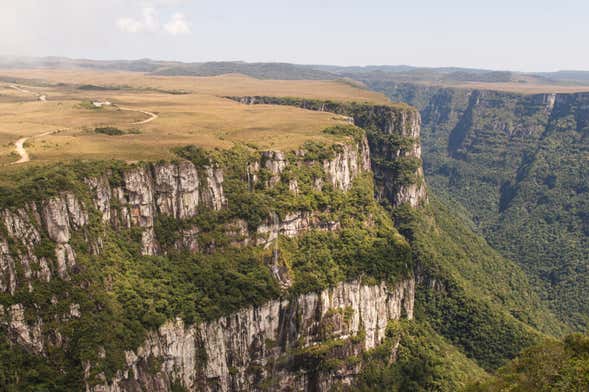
(348,162)
(309,342)
(174,190)
(272,347)
(27,228)
(395,146)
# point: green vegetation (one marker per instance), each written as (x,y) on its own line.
(319,258)
(393,160)
(517,163)
(475,310)
(112,131)
(549,366)
(321,357)
(415,358)
(352,131)
(37,183)
(89,105)
(478,300)
(92,87)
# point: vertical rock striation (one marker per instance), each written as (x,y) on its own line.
(26,227)
(266,347)
(175,190)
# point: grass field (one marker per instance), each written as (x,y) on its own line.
(191,110)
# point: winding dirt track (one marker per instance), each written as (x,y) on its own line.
(41,97)
(152,116)
(20,148)
(20,143)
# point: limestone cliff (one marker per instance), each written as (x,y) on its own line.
(273,346)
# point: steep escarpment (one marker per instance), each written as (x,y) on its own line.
(393,135)
(517,163)
(223,270)
(277,346)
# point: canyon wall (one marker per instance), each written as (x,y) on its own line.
(517,163)
(271,347)
(308,341)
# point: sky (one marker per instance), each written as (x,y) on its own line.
(519,35)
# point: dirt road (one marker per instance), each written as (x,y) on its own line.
(20,147)
(152,116)
(40,97)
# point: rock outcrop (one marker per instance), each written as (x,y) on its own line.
(348,162)
(174,190)
(21,332)
(60,214)
(25,227)
(266,347)
(275,163)
(290,226)
(391,159)
(7,269)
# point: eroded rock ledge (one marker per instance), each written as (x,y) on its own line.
(276,346)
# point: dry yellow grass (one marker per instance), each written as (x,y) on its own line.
(232,84)
(201,116)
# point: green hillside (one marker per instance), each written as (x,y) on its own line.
(550,366)
(518,164)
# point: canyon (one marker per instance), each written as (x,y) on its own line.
(516,163)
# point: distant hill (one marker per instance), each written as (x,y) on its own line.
(141,65)
(287,71)
(573,76)
(255,70)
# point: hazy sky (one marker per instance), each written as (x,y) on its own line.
(529,35)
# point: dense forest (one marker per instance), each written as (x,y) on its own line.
(517,164)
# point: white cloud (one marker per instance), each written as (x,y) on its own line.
(150,19)
(149,22)
(129,25)
(177,25)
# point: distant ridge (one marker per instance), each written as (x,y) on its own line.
(256,70)
(288,71)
